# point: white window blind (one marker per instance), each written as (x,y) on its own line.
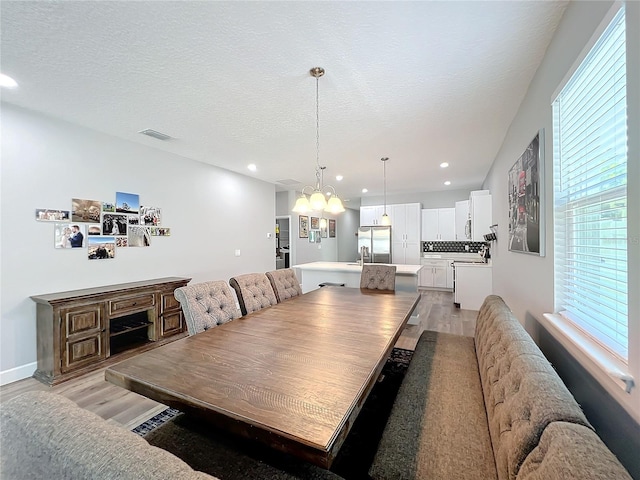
(590,198)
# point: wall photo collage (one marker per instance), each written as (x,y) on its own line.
(315,228)
(99,227)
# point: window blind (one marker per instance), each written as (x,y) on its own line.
(590,197)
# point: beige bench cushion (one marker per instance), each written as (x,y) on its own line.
(567,451)
(45,435)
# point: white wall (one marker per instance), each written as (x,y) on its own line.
(526,282)
(346,230)
(441,199)
(46,162)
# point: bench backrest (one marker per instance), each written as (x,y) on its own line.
(522,392)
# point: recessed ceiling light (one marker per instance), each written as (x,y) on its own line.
(252,167)
(444,165)
(447,183)
(7,81)
(364,190)
(339,178)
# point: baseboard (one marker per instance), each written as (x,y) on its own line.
(18,373)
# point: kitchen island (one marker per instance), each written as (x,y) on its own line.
(311,275)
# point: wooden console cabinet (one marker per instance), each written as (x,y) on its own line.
(82,330)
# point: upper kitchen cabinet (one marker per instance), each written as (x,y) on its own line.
(480,214)
(438,224)
(371,215)
(405,231)
(463,230)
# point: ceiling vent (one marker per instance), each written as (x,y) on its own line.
(155,134)
(288,182)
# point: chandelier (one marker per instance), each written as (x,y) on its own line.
(316,200)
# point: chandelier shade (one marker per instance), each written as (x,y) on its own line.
(317,201)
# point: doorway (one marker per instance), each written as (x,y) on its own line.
(283,242)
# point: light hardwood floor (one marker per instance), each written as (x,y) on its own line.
(122,407)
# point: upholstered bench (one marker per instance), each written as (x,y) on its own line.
(489,407)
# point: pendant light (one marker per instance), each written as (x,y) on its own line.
(317,200)
(385,218)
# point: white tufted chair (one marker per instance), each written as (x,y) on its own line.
(206,305)
(254,292)
(285,283)
(378,277)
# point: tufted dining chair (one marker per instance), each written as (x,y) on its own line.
(285,283)
(206,305)
(378,277)
(254,292)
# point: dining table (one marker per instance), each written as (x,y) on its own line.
(293,376)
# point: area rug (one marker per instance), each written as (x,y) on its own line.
(353,460)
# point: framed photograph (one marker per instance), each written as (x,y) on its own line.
(314,236)
(127,202)
(332,228)
(85,210)
(526,191)
(94,229)
(114,224)
(303,226)
(68,235)
(139,236)
(315,223)
(101,247)
(160,232)
(324,232)
(51,215)
(150,216)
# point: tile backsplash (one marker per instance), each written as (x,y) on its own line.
(474,247)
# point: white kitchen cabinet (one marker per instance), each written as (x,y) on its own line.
(480,214)
(405,232)
(438,224)
(462,215)
(436,274)
(371,215)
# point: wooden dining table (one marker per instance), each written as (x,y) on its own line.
(293,376)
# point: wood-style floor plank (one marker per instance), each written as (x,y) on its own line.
(119,406)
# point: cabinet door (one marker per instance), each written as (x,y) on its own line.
(480,209)
(412,222)
(83,336)
(429,224)
(426,276)
(447,223)
(398,252)
(440,276)
(397,214)
(462,215)
(412,253)
(371,215)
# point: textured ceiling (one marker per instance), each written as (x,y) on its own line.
(419,82)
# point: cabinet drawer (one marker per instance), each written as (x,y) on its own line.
(123,306)
(81,320)
(169,302)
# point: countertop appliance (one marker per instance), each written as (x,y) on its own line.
(377,243)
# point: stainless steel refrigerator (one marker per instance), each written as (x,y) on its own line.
(376,242)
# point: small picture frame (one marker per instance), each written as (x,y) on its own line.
(332,228)
(303,226)
(315,223)
(101,247)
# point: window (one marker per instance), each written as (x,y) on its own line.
(590,193)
